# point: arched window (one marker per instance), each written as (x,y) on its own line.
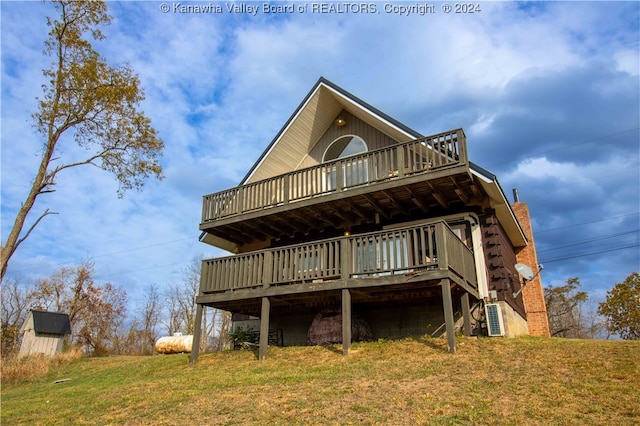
(344,146)
(353,170)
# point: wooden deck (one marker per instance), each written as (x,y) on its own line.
(421,174)
(400,258)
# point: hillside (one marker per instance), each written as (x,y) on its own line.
(489,381)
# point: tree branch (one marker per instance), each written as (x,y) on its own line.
(20,240)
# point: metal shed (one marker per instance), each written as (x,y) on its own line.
(43,332)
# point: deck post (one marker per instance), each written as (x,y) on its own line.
(448,314)
(345,259)
(195,346)
(267,269)
(240,196)
(441,245)
(400,158)
(346,321)
(286,188)
(264,328)
(463,157)
(339,176)
(466,314)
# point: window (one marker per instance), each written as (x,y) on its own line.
(463,232)
(354,170)
(344,146)
(382,255)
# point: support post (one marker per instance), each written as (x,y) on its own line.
(264,328)
(346,321)
(195,346)
(448,314)
(466,314)
(345,259)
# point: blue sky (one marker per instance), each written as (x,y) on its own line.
(548,94)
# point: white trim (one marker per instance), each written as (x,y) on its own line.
(499,199)
(481,176)
(347,156)
(282,132)
(478,257)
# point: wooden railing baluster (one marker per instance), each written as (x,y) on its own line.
(420,155)
(371,254)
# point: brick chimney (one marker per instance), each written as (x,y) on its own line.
(532,294)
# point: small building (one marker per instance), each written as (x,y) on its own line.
(43,332)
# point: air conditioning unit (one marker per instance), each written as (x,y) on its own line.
(495,323)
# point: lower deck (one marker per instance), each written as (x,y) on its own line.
(425,265)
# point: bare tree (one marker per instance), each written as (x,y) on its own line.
(224,327)
(150,318)
(181,300)
(174,320)
(13,312)
(93,101)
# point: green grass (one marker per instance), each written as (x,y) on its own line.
(415,381)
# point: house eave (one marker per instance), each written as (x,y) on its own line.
(327,93)
(498,201)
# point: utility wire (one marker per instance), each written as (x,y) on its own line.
(586,223)
(591,253)
(143,247)
(590,240)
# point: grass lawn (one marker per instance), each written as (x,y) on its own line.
(416,381)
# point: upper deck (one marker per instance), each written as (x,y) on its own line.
(421,174)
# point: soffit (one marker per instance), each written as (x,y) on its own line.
(501,205)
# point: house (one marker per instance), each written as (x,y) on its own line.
(349,212)
(43,332)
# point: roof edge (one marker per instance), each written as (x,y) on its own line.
(342,92)
(492,179)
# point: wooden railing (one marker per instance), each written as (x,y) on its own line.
(419,156)
(398,251)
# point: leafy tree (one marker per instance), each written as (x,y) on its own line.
(91,102)
(622,308)
(96,312)
(567,314)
